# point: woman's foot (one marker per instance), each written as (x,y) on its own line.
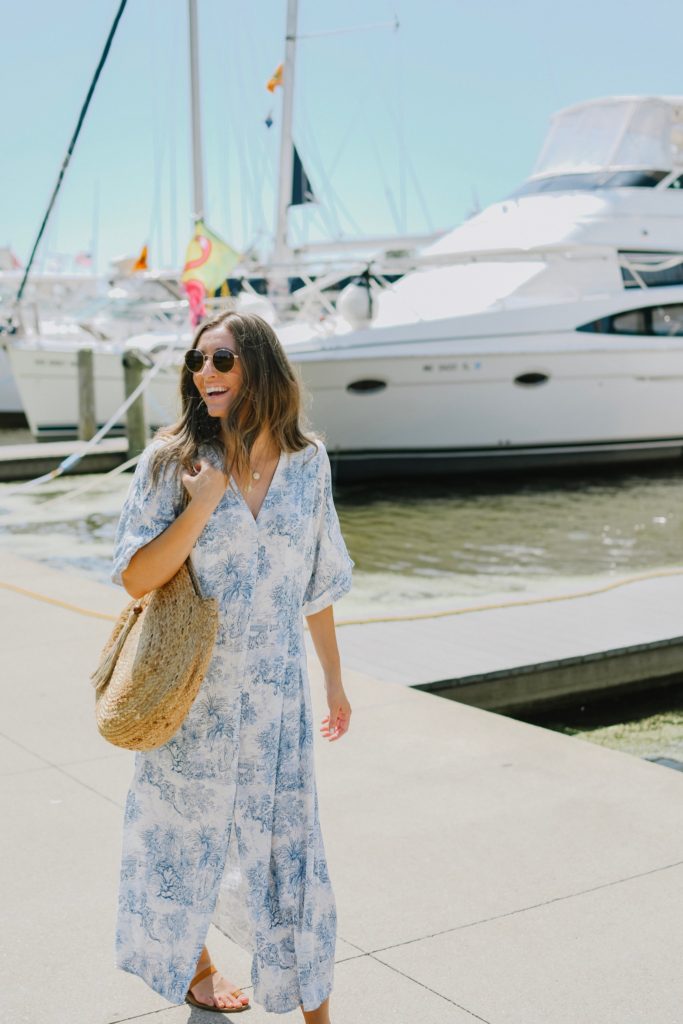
(216,990)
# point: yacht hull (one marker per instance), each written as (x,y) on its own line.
(438,408)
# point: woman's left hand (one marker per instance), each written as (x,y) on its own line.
(337,722)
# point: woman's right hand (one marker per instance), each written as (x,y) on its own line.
(206,484)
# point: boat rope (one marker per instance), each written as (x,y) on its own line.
(468,610)
(524,602)
(72,145)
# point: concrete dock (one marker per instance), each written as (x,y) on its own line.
(485,870)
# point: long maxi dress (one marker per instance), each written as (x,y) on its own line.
(221,823)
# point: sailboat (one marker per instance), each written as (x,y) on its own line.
(302,282)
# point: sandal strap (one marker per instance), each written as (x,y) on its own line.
(203,974)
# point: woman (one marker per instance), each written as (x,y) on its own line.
(221,823)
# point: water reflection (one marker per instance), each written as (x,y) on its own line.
(573,526)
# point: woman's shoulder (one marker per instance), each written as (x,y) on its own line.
(315,450)
(313,458)
(152,450)
(157,463)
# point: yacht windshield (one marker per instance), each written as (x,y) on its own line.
(616,134)
(590,182)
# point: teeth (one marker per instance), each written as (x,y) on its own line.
(216,391)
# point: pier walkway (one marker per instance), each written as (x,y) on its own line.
(515,656)
(485,870)
(27,461)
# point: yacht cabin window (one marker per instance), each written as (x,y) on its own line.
(658,321)
(654,269)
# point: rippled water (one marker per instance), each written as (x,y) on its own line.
(435,543)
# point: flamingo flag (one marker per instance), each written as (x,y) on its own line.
(208,262)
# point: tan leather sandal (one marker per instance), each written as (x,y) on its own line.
(199,976)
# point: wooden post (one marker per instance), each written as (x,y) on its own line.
(134,366)
(87,421)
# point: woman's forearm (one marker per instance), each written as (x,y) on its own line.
(157,562)
(324,637)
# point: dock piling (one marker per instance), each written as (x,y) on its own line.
(134,365)
(87,420)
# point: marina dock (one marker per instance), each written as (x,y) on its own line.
(524,655)
(485,870)
(26,461)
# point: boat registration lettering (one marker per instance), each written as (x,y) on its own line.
(465,364)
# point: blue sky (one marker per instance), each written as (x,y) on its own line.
(399,130)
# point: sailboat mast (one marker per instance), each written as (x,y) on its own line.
(286,150)
(195,113)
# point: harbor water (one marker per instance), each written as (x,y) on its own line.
(433,545)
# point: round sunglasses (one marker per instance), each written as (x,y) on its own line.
(223,360)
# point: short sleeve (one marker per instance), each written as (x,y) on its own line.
(147,511)
(331,570)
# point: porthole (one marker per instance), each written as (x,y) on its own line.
(531,379)
(366,387)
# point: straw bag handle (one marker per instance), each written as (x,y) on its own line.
(193,577)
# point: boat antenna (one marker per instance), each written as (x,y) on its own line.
(72,146)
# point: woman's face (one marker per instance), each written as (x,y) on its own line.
(218,390)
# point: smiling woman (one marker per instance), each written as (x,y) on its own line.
(221,822)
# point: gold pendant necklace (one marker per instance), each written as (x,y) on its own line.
(254,476)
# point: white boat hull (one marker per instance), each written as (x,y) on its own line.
(453,405)
(11,409)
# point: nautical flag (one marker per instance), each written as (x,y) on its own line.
(208,262)
(302,190)
(141,261)
(275,79)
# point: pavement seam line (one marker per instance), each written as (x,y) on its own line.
(175,1006)
(415,981)
(533,906)
(58,768)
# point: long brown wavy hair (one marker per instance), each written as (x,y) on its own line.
(270,397)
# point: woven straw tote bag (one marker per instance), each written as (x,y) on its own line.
(153,663)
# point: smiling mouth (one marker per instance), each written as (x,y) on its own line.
(217,393)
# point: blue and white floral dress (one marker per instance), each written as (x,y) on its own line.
(221,823)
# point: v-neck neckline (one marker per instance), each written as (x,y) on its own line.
(255,518)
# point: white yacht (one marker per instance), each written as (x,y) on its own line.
(546,330)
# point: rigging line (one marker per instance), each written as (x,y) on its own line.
(326,211)
(336,205)
(260,173)
(72,146)
(391,202)
(246,191)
